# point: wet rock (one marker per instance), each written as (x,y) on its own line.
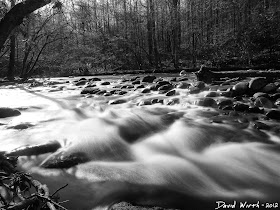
(8,112)
(137,82)
(173,101)
(269,88)
(273,114)
(174,79)
(228,107)
(162,83)
(146,90)
(122,92)
(117,101)
(171,93)
(183,85)
(260,94)
(181,79)
(240,88)
(140,86)
(212,94)
(89,90)
(274,96)
(238,98)
(207,102)
(240,107)
(94,79)
(107,94)
(21,126)
(101,92)
(200,85)
(225,102)
(194,90)
(105,83)
(149,78)
(144,102)
(134,79)
(260,125)
(256,84)
(113,91)
(165,87)
(263,102)
(156,100)
(255,109)
(80,83)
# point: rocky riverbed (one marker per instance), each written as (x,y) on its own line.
(228,130)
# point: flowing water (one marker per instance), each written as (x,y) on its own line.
(166,154)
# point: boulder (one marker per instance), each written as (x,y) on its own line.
(149,78)
(8,112)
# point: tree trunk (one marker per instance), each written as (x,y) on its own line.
(16,15)
(10,73)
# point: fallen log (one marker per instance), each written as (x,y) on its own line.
(209,76)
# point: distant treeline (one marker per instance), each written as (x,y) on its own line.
(88,36)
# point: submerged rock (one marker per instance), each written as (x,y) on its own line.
(8,112)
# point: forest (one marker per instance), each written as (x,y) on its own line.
(86,37)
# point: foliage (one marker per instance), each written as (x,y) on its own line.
(19,191)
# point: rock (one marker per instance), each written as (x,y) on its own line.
(200,85)
(122,92)
(8,112)
(240,107)
(240,88)
(144,102)
(134,79)
(117,101)
(165,87)
(140,86)
(94,79)
(80,83)
(257,84)
(183,85)
(260,125)
(260,94)
(101,92)
(207,102)
(89,90)
(21,126)
(105,83)
(274,96)
(107,94)
(194,90)
(263,102)
(171,93)
(137,82)
(161,83)
(156,100)
(277,102)
(212,94)
(269,88)
(149,78)
(225,102)
(173,101)
(255,109)
(273,114)
(181,79)
(146,90)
